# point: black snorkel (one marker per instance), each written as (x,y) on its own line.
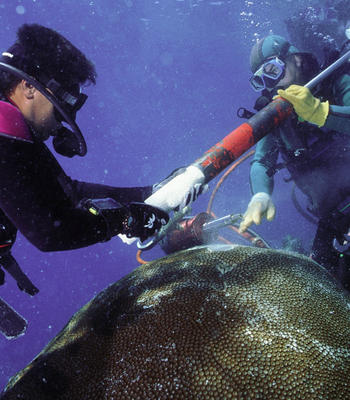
(62,146)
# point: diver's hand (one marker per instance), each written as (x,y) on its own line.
(259,206)
(138,220)
(143,220)
(306,106)
(181,188)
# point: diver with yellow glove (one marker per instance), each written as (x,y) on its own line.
(313,145)
(307,107)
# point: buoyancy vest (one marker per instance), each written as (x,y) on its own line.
(12,125)
(303,145)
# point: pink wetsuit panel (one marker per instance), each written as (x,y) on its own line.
(12,122)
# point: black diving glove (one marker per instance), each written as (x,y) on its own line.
(144,221)
(133,219)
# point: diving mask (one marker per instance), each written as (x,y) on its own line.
(71,100)
(268,75)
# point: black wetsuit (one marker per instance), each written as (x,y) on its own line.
(40,200)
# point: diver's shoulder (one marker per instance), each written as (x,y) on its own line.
(12,123)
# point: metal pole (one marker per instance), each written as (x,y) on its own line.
(323,74)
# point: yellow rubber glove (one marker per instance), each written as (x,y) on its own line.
(307,107)
(259,206)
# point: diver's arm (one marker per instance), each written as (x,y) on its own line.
(121,194)
(265,159)
(261,184)
(339,114)
(331,117)
(35,197)
(40,200)
(338,119)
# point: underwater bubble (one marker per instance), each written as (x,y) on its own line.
(20,10)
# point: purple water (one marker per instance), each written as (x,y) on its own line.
(171,76)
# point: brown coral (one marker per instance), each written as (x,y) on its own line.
(207,323)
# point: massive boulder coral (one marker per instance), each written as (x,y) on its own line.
(226,322)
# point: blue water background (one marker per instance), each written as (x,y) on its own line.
(172,74)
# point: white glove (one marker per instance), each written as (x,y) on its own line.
(259,206)
(127,240)
(179,191)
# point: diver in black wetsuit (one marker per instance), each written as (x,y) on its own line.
(40,80)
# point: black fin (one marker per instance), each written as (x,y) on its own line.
(12,324)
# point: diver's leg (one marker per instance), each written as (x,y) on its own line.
(343,273)
(323,251)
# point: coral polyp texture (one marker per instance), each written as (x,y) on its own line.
(225,322)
